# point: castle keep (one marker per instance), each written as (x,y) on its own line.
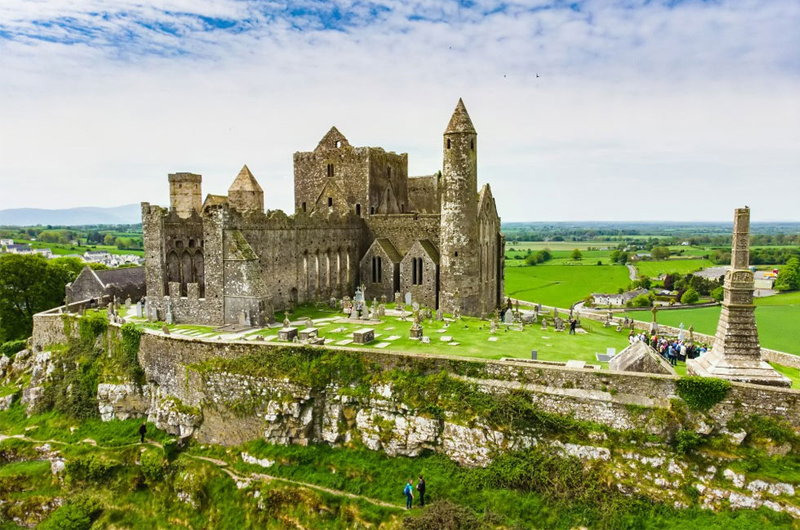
(359,220)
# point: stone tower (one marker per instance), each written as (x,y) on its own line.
(458,236)
(185,194)
(245,194)
(736,354)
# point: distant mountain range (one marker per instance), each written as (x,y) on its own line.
(89,215)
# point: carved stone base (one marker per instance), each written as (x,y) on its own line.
(711,364)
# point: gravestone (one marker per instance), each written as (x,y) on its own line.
(363,336)
(425,340)
(398,299)
(493,326)
(508,317)
(408,298)
(439,315)
(287,334)
(165,329)
(128,303)
(544,324)
(139,309)
(308,333)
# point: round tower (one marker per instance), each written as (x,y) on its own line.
(458,234)
(185,194)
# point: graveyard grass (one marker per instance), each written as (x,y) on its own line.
(563,285)
(472,336)
(777,318)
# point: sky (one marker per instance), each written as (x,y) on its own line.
(588,110)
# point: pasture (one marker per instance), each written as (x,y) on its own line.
(653,269)
(563,285)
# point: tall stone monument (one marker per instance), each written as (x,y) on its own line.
(736,353)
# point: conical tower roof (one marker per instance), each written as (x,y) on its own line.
(460,121)
(245,181)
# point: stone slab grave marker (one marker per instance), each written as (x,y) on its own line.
(139,309)
(576,364)
(287,334)
(446,338)
(344,342)
(308,333)
(364,336)
(492,339)
(425,340)
(128,303)
(382,345)
(408,298)
(508,317)
(736,353)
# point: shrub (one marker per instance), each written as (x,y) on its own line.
(89,468)
(702,393)
(686,441)
(690,296)
(91,326)
(131,337)
(76,514)
(13,346)
(154,465)
(443,515)
(643,300)
(718,294)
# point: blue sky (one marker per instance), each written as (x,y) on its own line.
(641,111)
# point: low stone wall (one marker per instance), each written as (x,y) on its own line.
(218,406)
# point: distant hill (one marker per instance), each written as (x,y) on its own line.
(89,215)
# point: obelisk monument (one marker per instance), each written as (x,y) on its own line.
(736,353)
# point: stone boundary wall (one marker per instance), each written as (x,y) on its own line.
(585,393)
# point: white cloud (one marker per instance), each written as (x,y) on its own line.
(640,113)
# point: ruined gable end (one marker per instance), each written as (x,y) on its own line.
(333,139)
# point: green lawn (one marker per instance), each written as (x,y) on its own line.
(473,335)
(777,317)
(652,269)
(562,285)
(563,257)
(61,250)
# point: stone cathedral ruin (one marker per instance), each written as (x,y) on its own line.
(359,220)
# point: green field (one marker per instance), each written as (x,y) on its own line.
(653,269)
(61,249)
(777,317)
(563,285)
(562,257)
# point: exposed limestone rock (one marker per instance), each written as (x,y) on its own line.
(250,459)
(167,413)
(6,401)
(122,401)
(736,478)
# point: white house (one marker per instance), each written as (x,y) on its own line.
(19,249)
(616,299)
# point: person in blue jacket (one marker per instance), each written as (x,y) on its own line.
(409,493)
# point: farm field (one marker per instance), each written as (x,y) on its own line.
(653,269)
(777,317)
(62,250)
(562,257)
(563,285)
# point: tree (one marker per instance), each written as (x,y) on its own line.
(109,239)
(576,255)
(789,276)
(28,285)
(690,296)
(660,252)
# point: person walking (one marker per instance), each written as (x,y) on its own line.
(421,490)
(142,431)
(409,493)
(572,323)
